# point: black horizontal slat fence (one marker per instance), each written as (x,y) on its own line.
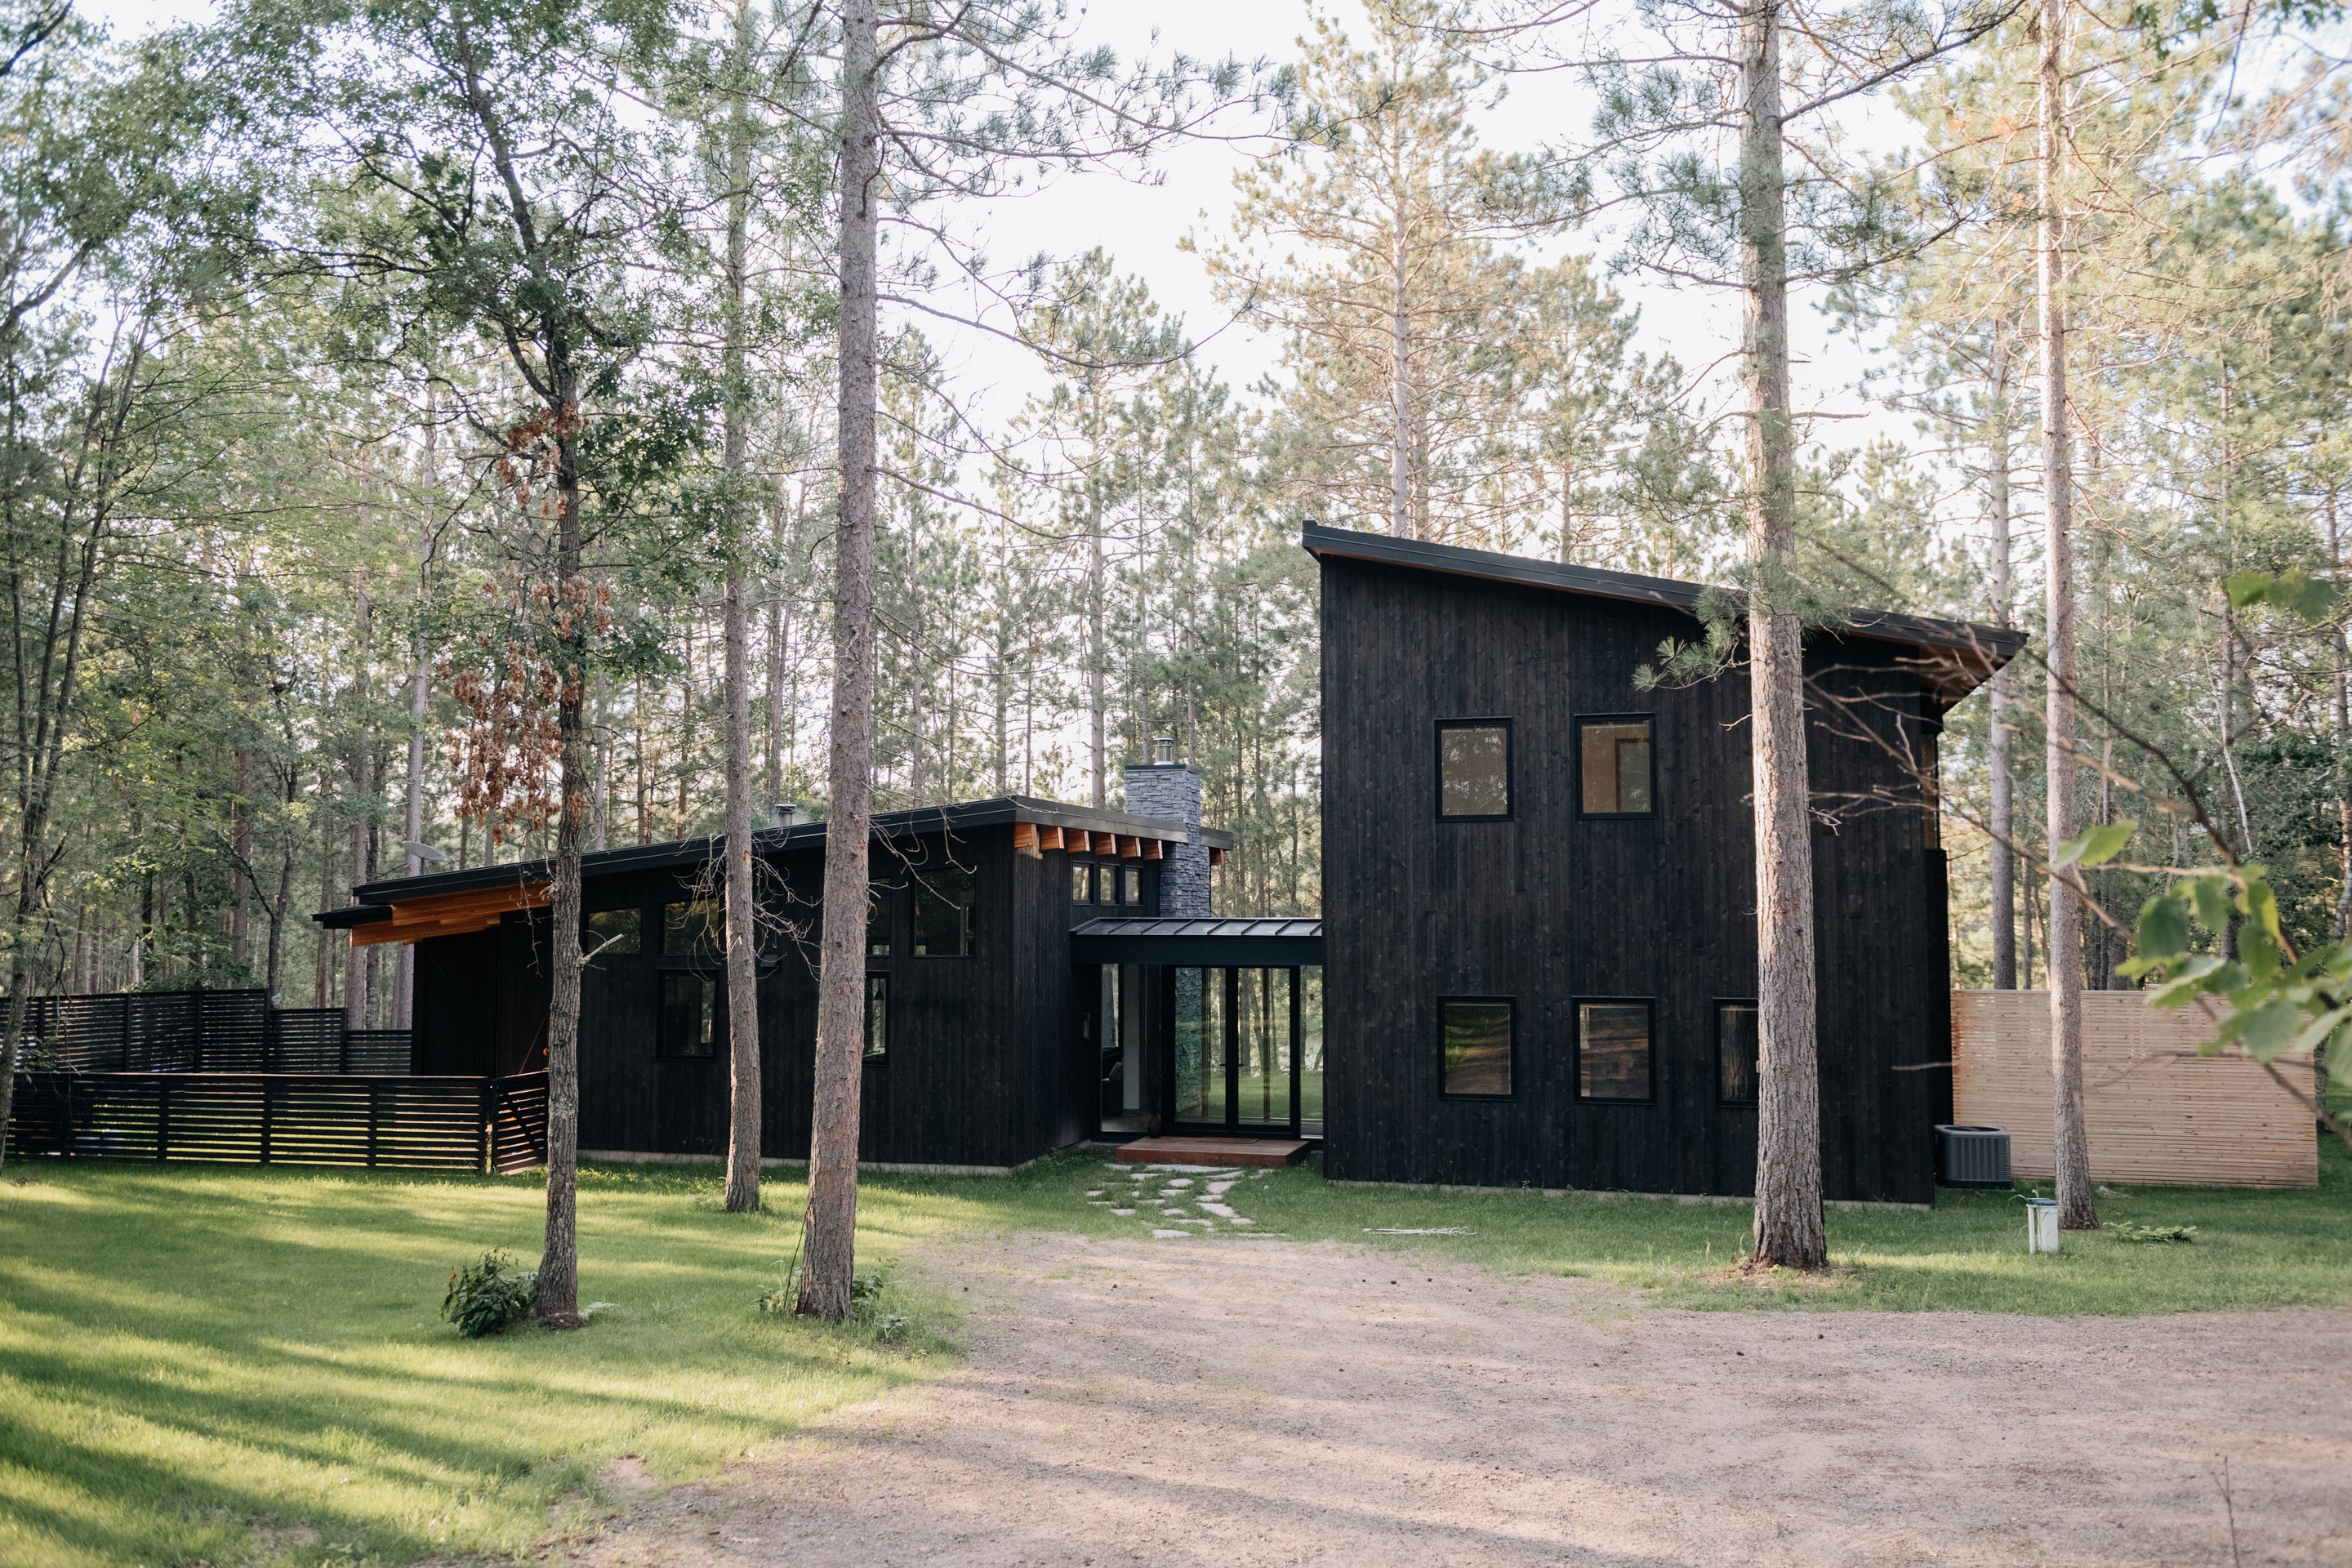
(386,1121)
(201,1031)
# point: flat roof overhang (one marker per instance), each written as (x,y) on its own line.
(1240,944)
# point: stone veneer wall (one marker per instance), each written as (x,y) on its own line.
(1173,791)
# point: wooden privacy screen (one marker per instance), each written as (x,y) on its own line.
(2159,1114)
(284,1119)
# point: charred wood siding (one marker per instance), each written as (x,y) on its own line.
(1549,906)
(978,1070)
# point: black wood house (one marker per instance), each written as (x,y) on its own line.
(1538,889)
(1536,965)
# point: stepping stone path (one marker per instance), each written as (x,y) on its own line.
(1176,1193)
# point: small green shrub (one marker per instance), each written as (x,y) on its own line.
(865,1287)
(485,1297)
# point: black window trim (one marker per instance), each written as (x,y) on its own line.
(1715,1026)
(1576,1005)
(914,900)
(716,976)
(1576,723)
(1512,1004)
(865,1011)
(1510,766)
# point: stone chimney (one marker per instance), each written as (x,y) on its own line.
(1169,789)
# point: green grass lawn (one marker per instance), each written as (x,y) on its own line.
(230,1366)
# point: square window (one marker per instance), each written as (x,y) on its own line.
(943,905)
(697,929)
(1613,1050)
(689,1016)
(1082,882)
(1474,770)
(1476,1045)
(877,1016)
(614,933)
(1735,1040)
(881,905)
(1614,760)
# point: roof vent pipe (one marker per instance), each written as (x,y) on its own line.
(1163,750)
(784,814)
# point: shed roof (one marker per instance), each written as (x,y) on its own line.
(1955,657)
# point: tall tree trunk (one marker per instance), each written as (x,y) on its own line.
(240,844)
(743,1099)
(1097,753)
(1789,1123)
(420,675)
(355,987)
(1400,421)
(829,1238)
(2340,651)
(773,760)
(285,891)
(558,1303)
(2064,960)
(2004,800)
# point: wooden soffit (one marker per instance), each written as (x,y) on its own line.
(450,914)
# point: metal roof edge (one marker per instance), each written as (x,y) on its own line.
(1998,645)
(995,811)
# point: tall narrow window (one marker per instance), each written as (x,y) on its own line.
(689,1016)
(1131,885)
(1082,882)
(877,1016)
(881,909)
(1614,760)
(1475,1045)
(1734,1052)
(1474,770)
(1613,1050)
(943,907)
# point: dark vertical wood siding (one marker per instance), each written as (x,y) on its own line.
(1547,907)
(980,1070)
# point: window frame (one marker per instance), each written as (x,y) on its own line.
(866,1051)
(915,892)
(1714,1022)
(890,888)
(1576,727)
(1576,1005)
(1511,1051)
(715,995)
(1510,767)
(589,934)
(1081,867)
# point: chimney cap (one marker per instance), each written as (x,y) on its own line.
(1163,750)
(784,813)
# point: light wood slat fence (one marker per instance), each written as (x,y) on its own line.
(2159,1114)
(394,1122)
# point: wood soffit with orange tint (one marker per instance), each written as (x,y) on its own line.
(450,914)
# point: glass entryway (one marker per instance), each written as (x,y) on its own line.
(1245,1048)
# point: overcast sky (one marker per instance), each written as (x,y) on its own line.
(1189,189)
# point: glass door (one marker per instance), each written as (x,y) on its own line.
(1244,1048)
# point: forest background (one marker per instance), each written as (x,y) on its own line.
(267,537)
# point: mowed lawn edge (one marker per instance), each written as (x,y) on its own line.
(226,1365)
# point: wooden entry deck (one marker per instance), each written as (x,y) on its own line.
(1213,1152)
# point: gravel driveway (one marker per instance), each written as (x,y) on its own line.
(1234,1403)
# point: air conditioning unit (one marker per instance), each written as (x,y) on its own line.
(1971,1156)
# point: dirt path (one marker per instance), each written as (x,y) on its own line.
(1238,1403)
